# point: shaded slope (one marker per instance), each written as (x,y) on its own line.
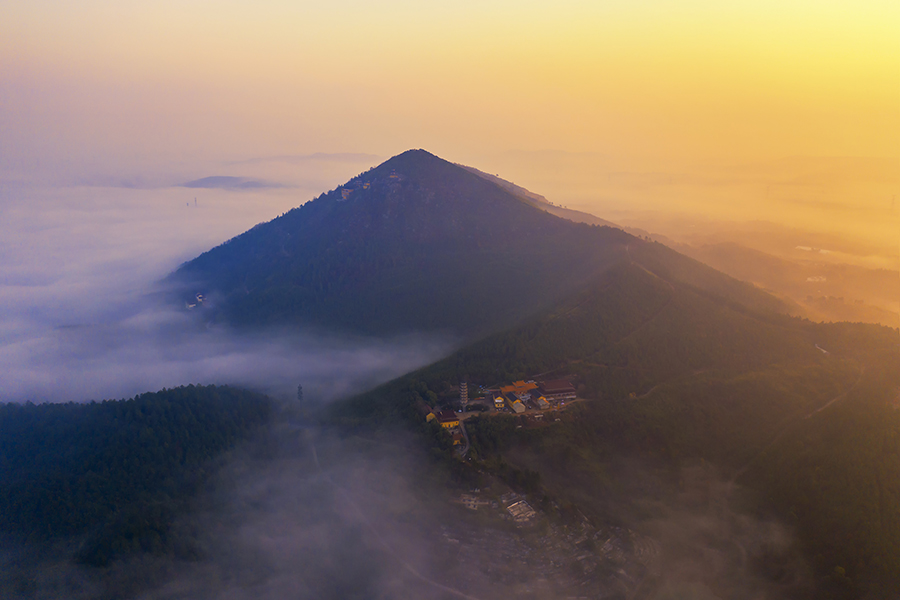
(834,475)
(414,244)
(634,327)
(812,289)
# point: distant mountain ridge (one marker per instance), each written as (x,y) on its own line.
(225,182)
(415,244)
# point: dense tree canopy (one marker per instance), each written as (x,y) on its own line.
(115,470)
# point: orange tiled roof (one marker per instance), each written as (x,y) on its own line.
(518,387)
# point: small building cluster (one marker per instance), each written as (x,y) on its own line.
(447,419)
(522,395)
(518,397)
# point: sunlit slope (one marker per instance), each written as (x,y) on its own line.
(823,290)
(542,203)
(814,283)
(415,244)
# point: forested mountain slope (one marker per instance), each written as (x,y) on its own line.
(114,474)
(678,362)
(676,369)
(415,244)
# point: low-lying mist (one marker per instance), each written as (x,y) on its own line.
(80,321)
(152,349)
(304,513)
(294,513)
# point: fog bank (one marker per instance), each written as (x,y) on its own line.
(78,268)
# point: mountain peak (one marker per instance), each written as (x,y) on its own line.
(418,164)
(414,244)
(414,155)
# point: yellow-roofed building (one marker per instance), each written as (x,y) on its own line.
(448,419)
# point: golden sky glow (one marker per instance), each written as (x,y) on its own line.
(650,84)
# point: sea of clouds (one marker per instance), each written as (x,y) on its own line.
(79,268)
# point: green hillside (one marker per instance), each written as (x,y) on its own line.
(677,370)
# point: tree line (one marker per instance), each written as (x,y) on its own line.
(116,472)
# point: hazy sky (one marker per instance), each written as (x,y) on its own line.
(760,79)
(665,89)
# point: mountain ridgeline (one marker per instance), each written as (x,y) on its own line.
(416,244)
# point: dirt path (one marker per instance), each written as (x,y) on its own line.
(862,370)
(790,426)
(465,434)
(662,308)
